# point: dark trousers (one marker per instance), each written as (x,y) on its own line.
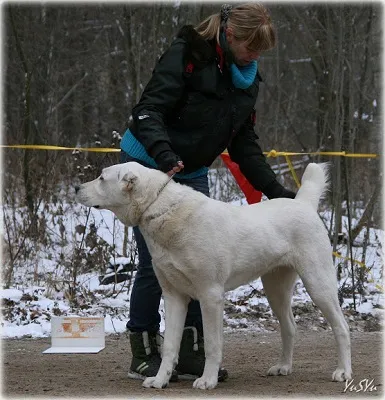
(146,292)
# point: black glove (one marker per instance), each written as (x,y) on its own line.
(167,160)
(274,190)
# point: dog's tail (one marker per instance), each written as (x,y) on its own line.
(314,183)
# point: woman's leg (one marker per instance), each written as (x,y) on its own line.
(146,292)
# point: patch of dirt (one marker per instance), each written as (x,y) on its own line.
(247,356)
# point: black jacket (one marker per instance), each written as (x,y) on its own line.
(198,114)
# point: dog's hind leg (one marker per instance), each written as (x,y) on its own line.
(212,304)
(175,304)
(279,286)
(321,284)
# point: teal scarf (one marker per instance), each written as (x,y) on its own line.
(242,77)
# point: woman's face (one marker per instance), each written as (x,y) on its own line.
(242,55)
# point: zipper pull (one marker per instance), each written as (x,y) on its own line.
(219,66)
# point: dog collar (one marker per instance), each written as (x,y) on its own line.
(159,192)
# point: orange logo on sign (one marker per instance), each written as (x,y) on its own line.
(77,327)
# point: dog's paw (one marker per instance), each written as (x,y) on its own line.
(280,369)
(341,375)
(204,383)
(153,382)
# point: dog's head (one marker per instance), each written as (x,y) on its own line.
(125,189)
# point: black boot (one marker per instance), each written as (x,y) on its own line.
(191,361)
(145,348)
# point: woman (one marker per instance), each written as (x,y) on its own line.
(199,101)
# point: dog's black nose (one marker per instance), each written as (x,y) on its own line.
(77,188)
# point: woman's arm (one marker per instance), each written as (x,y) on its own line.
(160,96)
(246,152)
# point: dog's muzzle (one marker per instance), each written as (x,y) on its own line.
(77,189)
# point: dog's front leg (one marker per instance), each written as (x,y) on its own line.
(212,304)
(175,309)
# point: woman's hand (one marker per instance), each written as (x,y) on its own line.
(169,162)
(176,169)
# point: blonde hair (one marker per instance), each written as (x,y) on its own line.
(251,23)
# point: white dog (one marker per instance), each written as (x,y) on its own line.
(202,247)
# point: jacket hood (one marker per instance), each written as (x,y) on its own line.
(198,50)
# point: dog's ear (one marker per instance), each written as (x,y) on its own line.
(128,181)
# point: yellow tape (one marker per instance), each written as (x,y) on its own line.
(347,258)
(363,266)
(275,153)
(295,177)
(48,147)
(380,288)
(271,153)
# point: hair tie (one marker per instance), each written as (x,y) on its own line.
(225,12)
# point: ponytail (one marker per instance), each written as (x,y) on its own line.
(210,27)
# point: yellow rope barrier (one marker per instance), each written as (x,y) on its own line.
(48,147)
(274,153)
(356,261)
(271,153)
(363,266)
(295,177)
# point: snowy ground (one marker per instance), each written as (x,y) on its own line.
(41,284)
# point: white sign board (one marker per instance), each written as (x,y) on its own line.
(77,335)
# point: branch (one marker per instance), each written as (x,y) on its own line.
(18,44)
(69,93)
(366,216)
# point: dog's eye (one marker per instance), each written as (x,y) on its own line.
(101,178)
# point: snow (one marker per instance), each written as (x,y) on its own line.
(365,308)
(41,329)
(11,294)
(41,283)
